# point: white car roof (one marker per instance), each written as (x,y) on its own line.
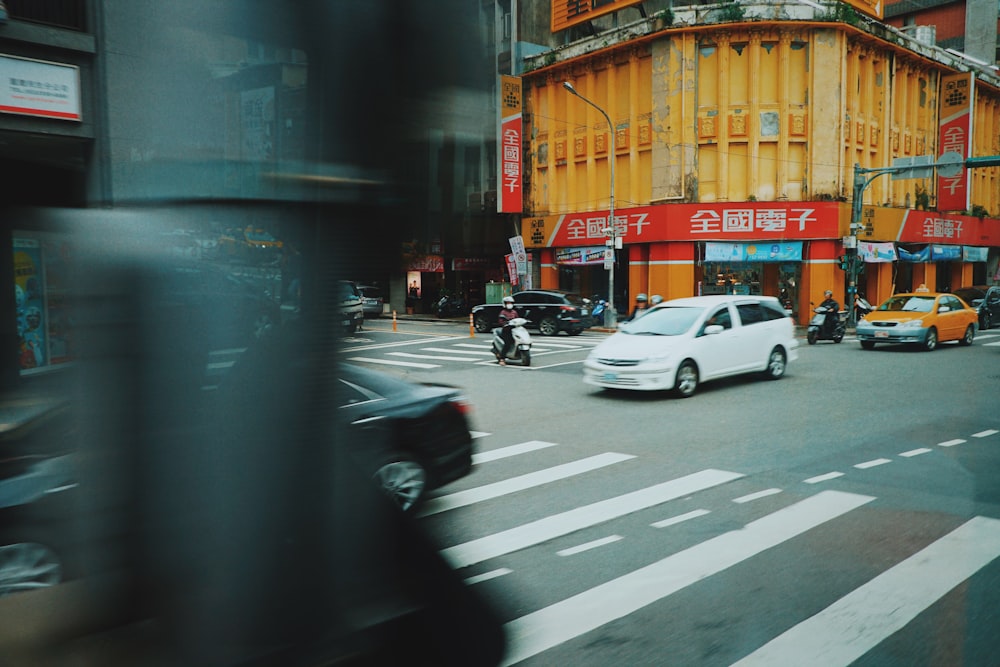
(713,299)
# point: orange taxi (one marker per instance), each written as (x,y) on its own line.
(921,318)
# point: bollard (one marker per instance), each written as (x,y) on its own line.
(394,320)
(472,328)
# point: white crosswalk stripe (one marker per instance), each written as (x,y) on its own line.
(838,635)
(545,628)
(855,624)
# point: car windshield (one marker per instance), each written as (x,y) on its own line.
(667,321)
(908,303)
(576,300)
(346,291)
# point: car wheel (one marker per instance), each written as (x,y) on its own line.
(548,326)
(526,357)
(987,321)
(932,339)
(811,337)
(481,323)
(404,480)
(28,566)
(687,379)
(776,364)
(867,345)
(970,334)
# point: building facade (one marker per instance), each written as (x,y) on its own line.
(737,129)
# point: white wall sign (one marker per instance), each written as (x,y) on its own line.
(39,88)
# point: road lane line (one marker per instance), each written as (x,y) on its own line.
(513,450)
(822,478)
(486,576)
(587,546)
(680,518)
(755,496)
(478,434)
(533,633)
(411,355)
(916,452)
(390,362)
(871,464)
(985,434)
(450,350)
(557,525)
(520,483)
(951,443)
(855,624)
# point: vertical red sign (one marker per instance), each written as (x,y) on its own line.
(509,198)
(955,136)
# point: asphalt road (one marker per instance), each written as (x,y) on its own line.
(846,514)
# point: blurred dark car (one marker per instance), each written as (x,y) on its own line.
(549,311)
(371,300)
(350,306)
(36,497)
(240,308)
(985,300)
(423,440)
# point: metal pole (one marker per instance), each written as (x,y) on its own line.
(610,314)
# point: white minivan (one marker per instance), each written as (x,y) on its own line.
(683,342)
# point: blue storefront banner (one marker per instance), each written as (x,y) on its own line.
(973,254)
(946,253)
(921,255)
(765,251)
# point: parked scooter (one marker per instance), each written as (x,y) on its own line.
(520,349)
(597,312)
(820,330)
(451,306)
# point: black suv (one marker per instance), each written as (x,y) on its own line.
(550,311)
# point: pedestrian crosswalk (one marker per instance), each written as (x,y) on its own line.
(843,631)
(462,352)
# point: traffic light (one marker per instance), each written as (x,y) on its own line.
(843,262)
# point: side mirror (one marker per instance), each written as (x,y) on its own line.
(714,329)
(944,309)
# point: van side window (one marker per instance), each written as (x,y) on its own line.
(750,313)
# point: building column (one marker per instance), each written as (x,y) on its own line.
(819,273)
(548,269)
(671,269)
(638,270)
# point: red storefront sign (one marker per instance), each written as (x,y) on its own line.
(743,221)
(509,199)
(933,227)
(955,136)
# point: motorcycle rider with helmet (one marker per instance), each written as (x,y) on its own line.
(832,312)
(506,315)
(641,306)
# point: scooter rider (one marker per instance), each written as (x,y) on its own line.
(506,315)
(832,312)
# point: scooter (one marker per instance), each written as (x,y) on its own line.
(520,350)
(451,306)
(819,331)
(861,307)
(597,312)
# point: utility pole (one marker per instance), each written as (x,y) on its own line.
(948,164)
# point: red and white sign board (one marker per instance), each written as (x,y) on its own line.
(509,198)
(39,88)
(955,135)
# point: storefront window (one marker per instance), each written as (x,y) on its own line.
(41,281)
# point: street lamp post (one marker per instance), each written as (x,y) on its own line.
(610,314)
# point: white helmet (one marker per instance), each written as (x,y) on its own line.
(508,300)
(656,299)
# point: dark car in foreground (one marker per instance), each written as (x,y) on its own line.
(985,300)
(549,311)
(411,437)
